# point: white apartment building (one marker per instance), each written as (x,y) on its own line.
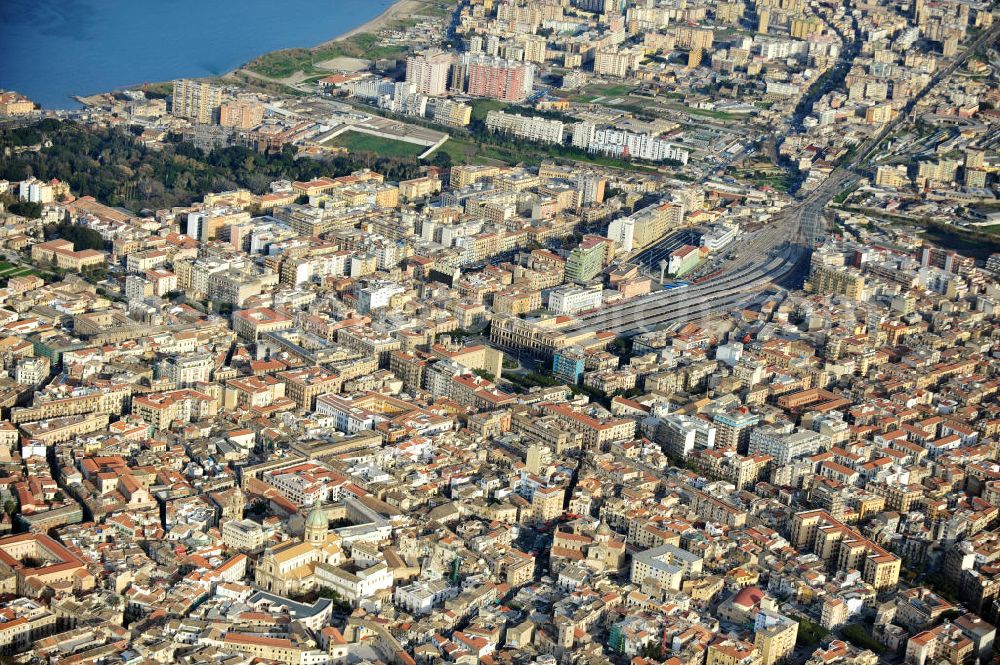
(718,237)
(680,435)
(611,61)
(245,535)
(572,299)
(429,72)
(356,586)
(187,370)
(376,295)
(299,488)
(36,191)
(541,130)
(786,445)
(667,564)
(624,144)
(32,371)
(423,596)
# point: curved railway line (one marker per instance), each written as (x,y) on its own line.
(697,300)
(779,251)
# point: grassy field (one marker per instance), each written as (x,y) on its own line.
(609,90)
(782,183)
(281,64)
(638,109)
(8,270)
(11,270)
(358,142)
(466,148)
(710,113)
(481,107)
(465,151)
(574,97)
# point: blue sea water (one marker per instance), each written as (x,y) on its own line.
(51,50)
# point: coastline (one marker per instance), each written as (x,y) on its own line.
(396,10)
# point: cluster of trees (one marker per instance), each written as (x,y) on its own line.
(81,236)
(859,636)
(533,153)
(809,633)
(114,168)
(22,208)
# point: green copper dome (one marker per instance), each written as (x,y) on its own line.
(317,517)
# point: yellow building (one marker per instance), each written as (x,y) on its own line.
(703,589)
(196,100)
(276,649)
(12,103)
(878,114)
(161,410)
(450,112)
(26,621)
(776,641)
(515,301)
(111,400)
(732,652)
(891,176)
(763,18)
(829,280)
(803,28)
(249,324)
(729,12)
(306,384)
(835,613)
(475,356)
(418,188)
(597,433)
(547,503)
(241,114)
(62,254)
(37,561)
(463,176)
(844,549)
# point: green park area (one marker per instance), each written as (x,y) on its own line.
(384,147)
(711,113)
(481,107)
(8,270)
(609,90)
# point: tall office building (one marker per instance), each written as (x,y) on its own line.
(196,100)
